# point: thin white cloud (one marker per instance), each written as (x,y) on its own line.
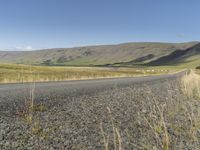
(26,48)
(181,35)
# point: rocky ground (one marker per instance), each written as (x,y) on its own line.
(152,115)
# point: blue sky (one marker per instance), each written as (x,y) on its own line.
(36,24)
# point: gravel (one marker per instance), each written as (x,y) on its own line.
(121,114)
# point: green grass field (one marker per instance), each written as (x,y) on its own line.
(12,73)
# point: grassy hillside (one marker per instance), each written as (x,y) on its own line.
(118,55)
(189,58)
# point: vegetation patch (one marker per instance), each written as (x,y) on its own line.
(12,73)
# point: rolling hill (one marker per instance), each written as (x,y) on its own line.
(189,56)
(105,55)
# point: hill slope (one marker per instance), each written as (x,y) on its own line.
(122,54)
(188,56)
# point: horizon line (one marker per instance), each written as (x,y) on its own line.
(93,45)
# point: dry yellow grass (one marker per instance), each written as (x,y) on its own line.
(117,140)
(12,73)
(191,84)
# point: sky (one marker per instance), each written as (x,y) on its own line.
(39,24)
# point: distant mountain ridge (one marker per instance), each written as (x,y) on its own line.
(151,53)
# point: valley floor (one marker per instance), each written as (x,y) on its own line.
(15,73)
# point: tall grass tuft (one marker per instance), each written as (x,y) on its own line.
(191,84)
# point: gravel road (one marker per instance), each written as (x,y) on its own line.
(84,114)
(10,93)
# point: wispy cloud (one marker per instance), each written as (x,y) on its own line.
(181,35)
(25,48)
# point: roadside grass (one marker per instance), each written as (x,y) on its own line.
(117,140)
(30,115)
(191,84)
(171,123)
(15,73)
(179,119)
